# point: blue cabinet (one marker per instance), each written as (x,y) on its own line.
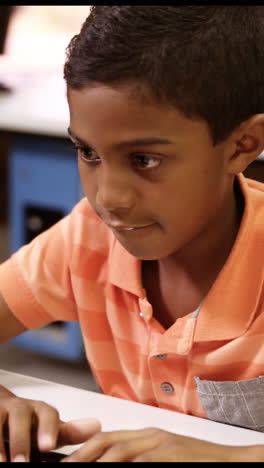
(44,185)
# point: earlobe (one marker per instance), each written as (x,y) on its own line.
(248,143)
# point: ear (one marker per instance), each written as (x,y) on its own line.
(247,142)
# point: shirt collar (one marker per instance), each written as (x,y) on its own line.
(125,269)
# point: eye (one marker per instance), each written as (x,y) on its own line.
(87,154)
(143,161)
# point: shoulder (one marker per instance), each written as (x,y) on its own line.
(254,195)
(250,237)
(254,188)
(254,215)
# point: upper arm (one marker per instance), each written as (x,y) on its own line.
(9,324)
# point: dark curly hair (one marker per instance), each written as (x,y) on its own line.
(207,61)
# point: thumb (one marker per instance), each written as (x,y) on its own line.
(77,431)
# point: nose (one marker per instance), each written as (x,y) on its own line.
(115,191)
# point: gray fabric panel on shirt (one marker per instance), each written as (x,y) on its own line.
(240,403)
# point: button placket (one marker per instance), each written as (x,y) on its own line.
(165,387)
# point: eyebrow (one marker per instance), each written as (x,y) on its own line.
(136,142)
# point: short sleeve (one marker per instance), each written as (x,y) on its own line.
(35,281)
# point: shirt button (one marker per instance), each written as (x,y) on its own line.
(145,308)
(160,356)
(166,387)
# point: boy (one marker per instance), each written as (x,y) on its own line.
(162,261)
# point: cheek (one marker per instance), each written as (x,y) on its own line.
(88,180)
(188,201)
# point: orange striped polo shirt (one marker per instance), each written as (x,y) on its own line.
(78,271)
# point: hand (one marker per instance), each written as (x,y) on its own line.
(156,445)
(30,422)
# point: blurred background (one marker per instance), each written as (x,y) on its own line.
(35,159)
(39,34)
(39,181)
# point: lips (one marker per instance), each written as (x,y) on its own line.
(121,227)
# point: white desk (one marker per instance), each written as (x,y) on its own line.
(116,414)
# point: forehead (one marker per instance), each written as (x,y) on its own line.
(121,112)
(115,99)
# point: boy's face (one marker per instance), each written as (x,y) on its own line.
(149,172)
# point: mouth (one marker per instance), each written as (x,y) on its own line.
(119,227)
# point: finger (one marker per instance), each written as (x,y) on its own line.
(19,425)
(95,447)
(48,426)
(77,431)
